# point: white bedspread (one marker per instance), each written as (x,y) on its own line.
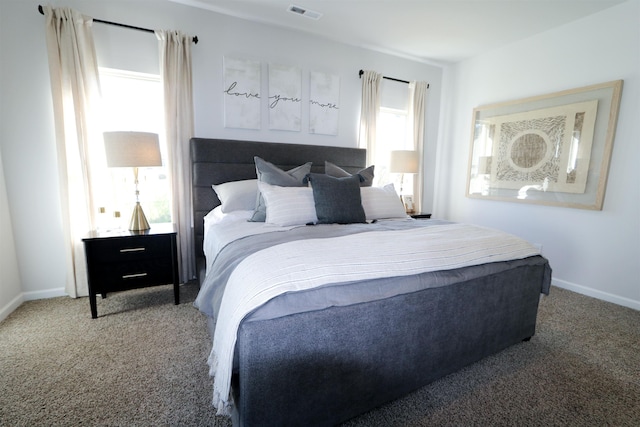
(305,264)
(221,229)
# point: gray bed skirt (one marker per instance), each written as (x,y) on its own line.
(322,368)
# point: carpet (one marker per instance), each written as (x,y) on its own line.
(143,363)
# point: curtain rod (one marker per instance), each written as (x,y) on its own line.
(195,38)
(361,72)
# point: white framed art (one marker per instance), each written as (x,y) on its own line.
(551,149)
(285,97)
(324,103)
(242,80)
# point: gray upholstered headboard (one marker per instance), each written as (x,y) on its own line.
(214,161)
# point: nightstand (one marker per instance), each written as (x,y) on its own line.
(421,215)
(121,260)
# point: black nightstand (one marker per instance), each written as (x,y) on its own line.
(421,216)
(122,260)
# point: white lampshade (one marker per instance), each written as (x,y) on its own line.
(404,161)
(132,149)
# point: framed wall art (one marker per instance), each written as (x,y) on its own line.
(285,97)
(242,79)
(324,103)
(552,149)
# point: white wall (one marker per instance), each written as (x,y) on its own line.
(28,153)
(593,252)
(10,285)
(27,135)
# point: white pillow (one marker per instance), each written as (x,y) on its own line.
(381,202)
(288,205)
(237,195)
(216,216)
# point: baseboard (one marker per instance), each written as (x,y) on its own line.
(49,293)
(626,302)
(60,292)
(29,296)
(8,309)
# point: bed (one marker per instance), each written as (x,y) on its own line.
(322,355)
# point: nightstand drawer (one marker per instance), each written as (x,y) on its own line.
(113,277)
(131,248)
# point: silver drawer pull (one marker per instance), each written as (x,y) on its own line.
(132,276)
(133,250)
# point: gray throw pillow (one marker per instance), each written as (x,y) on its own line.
(337,172)
(273,175)
(337,200)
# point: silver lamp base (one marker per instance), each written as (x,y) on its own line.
(138,220)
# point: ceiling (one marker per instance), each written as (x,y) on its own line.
(431,31)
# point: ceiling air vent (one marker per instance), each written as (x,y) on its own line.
(298,10)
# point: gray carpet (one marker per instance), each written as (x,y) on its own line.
(143,363)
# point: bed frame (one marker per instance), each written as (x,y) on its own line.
(324,367)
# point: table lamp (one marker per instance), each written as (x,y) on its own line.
(133,150)
(404,161)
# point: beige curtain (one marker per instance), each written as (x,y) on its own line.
(175,65)
(418,100)
(75,91)
(370,108)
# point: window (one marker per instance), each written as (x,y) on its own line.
(393,132)
(133,102)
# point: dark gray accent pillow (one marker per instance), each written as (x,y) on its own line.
(337,200)
(271,174)
(337,172)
